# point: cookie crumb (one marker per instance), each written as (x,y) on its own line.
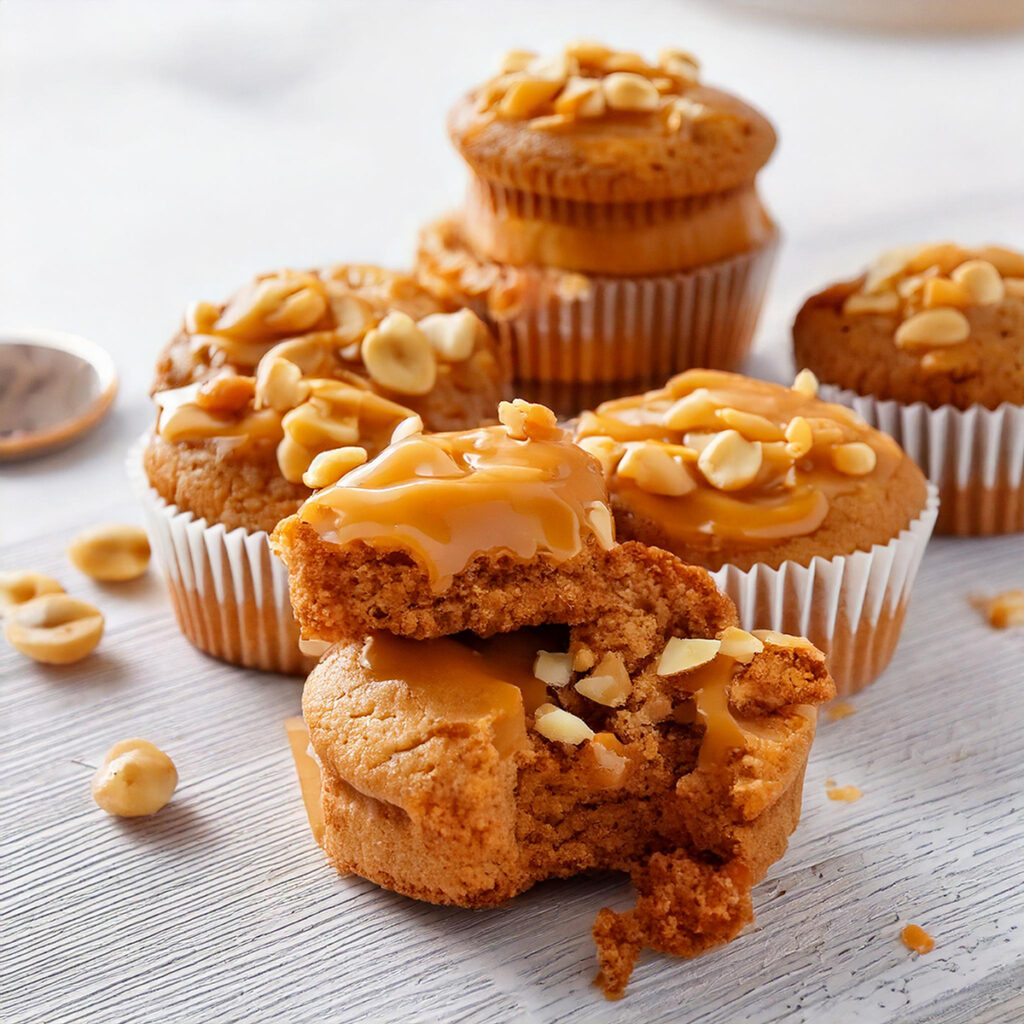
(1002,610)
(917,939)
(840,709)
(844,794)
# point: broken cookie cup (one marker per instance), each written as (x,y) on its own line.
(452,774)
(228,590)
(974,456)
(575,340)
(851,607)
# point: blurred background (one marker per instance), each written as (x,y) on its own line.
(160,151)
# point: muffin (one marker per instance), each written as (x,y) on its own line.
(612,233)
(513,696)
(813,522)
(928,345)
(244,414)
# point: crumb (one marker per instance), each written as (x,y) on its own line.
(916,938)
(840,709)
(845,794)
(1002,610)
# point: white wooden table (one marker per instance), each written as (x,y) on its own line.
(159,152)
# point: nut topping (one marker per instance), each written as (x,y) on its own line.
(655,470)
(609,684)
(330,466)
(561,726)
(739,644)
(806,383)
(932,328)
(524,421)
(730,462)
(452,335)
(398,356)
(553,669)
(681,655)
(854,459)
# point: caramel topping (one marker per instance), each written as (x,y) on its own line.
(709,685)
(765,461)
(590,82)
(182,418)
(492,682)
(843,794)
(447,498)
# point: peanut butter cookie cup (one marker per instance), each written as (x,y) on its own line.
(513,696)
(612,233)
(928,345)
(813,522)
(251,396)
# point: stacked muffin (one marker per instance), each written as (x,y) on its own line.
(298,374)
(612,233)
(513,696)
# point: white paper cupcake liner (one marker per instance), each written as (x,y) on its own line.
(851,607)
(974,456)
(229,592)
(624,335)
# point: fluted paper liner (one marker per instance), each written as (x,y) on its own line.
(974,456)
(851,606)
(229,591)
(624,335)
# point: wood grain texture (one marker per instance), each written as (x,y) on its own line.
(221,908)
(158,149)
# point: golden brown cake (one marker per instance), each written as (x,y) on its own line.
(937,324)
(235,436)
(294,366)
(734,473)
(928,345)
(611,207)
(513,696)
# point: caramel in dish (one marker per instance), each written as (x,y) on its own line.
(493,682)
(449,497)
(807,453)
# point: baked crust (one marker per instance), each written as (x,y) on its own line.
(428,803)
(612,161)
(858,353)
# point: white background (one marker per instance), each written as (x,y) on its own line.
(155,152)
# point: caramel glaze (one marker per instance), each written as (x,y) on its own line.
(788,498)
(447,498)
(492,680)
(182,419)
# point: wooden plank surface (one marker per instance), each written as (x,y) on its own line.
(221,907)
(166,151)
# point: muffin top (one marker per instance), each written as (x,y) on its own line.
(937,324)
(521,488)
(236,443)
(334,305)
(595,124)
(720,468)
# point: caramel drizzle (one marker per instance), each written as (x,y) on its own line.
(788,498)
(447,498)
